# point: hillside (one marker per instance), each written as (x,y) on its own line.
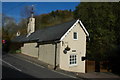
(53,18)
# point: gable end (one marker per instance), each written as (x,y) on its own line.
(82,26)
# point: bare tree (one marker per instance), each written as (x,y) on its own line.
(26,11)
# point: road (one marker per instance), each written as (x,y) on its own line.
(13,67)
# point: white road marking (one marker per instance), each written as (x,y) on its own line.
(11,65)
(28,61)
(44,67)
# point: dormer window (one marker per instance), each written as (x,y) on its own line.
(75,35)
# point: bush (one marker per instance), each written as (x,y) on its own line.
(18,51)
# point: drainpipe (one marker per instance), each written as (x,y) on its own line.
(38,50)
(55,66)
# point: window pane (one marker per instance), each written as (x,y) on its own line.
(75,62)
(75,35)
(73,59)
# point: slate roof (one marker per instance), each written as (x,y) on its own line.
(52,33)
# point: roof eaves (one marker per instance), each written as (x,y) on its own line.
(68,30)
(84,29)
(86,32)
(50,41)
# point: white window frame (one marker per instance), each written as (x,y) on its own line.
(70,59)
(76,35)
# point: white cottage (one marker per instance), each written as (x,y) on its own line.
(62,45)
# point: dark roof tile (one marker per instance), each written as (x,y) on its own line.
(47,34)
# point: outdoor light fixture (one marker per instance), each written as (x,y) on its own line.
(66,49)
(83,58)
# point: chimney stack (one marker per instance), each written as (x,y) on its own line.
(31,24)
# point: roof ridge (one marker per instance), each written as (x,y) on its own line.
(47,27)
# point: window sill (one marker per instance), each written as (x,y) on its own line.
(75,39)
(73,65)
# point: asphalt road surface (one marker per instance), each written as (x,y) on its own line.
(13,67)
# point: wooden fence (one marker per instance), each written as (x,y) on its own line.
(90,66)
